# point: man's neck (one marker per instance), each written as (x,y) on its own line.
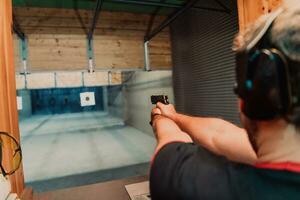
(278,143)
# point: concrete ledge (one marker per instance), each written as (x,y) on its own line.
(95,79)
(90,178)
(67,79)
(40,80)
(20,82)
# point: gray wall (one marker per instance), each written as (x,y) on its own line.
(204,64)
(26,102)
(115,101)
(131,101)
(137,90)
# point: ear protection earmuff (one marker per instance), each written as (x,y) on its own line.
(263,84)
(264,77)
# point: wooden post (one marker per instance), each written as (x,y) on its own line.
(8,105)
(251,10)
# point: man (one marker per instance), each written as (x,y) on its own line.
(268,77)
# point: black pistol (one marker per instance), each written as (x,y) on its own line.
(159,98)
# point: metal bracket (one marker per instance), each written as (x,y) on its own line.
(147,56)
(24,57)
(90,53)
(146,44)
(109,74)
(55,79)
(149,35)
(90,49)
(23,49)
(22,43)
(82,79)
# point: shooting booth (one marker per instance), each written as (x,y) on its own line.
(76,78)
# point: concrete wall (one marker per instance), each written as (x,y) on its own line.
(115,101)
(26,104)
(137,90)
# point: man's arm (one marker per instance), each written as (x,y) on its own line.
(167,131)
(217,135)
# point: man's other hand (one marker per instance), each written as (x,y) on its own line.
(167,110)
(155,112)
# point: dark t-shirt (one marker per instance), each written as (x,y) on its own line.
(187,171)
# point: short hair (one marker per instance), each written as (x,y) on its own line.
(284,33)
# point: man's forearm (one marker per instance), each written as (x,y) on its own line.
(167,131)
(199,128)
(205,130)
(219,136)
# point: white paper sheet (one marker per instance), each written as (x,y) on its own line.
(139,191)
(87,99)
(19,103)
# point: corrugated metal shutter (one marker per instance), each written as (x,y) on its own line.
(204,62)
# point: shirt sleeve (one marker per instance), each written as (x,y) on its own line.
(187,171)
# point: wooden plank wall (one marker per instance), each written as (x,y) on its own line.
(8,104)
(17,59)
(250,10)
(57,39)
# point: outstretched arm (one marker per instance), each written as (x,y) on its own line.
(217,135)
(166,130)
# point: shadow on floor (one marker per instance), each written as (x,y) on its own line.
(89,178)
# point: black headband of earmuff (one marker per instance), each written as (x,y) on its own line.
(266,78)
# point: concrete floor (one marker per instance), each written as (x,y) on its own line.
(57,146)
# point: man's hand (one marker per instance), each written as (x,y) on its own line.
(167,110)
(155,118)
(155,113)
(166,130)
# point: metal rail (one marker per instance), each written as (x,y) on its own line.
(17,29)
(223,6)
(95,19)
(166,5)
(146,3)
(169,20)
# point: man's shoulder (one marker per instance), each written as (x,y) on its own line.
(193,171)
(184,169)
(190,152)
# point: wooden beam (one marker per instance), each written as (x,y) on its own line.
(8,105)
(250,10)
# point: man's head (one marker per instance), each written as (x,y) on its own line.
(268,68)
